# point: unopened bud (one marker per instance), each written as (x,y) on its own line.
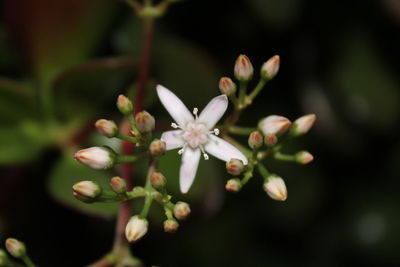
(233,185)
(275,188)
(157,180)
(227,86)
(107,128)
(274,124)
(157,147)
(303,124)
(270,68)
(255,140)
(144,122)
(96,157)
(304,157)
(86,191)
(136,228)
(15,247)
(171,226)
(181,210)
(124,105)
(270,139)
(234,166)
(118,185)
(243,69)
(3,258)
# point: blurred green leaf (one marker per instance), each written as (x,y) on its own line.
(57,34)
(15,102)
(83,89)
(20,143)
(68,172)
(367,88)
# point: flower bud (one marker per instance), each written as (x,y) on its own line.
(3,258)
(270,139)
(157,147)
(227,86)
(136,228)
(124,105)
(181,210)
(275,188)
(255,140)
(157,180)
(233,185)
(15,248)
(107,128)
(234,166)
(144,122)
(171,226)
(303,124)
(243,69)
(118,185)
(274,124)
(304,157)
(270,68)
(86,191)
(96,157)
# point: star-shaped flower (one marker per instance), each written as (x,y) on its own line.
(195,135)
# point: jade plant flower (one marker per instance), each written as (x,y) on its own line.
(195,134)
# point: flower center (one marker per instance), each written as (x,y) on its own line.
(195,134)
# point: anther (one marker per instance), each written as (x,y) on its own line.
(174,125)
(206,157)
(195,111)
(216,131)
(180,151)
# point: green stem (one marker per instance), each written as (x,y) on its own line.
(168,213)
(129,158)
(257,90)
(27,261)
(127,138)
(262,170)
(284,157)
(241,130)
(242,94)
(133,127)
(247,176)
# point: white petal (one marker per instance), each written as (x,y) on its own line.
(214,111)
(222,150)
(174,106)
(190,162)
(172,139)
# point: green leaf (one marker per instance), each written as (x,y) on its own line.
(68,172)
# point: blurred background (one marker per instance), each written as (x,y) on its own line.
(338,60)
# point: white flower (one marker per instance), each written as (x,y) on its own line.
(196,135)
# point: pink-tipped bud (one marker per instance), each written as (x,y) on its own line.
(227,86)
(234,166)
(275,188)
(144,122)
(303,124)
(101,158)
(171,226)
(274,124)
(124,105)
(15,247)
(118,185)
(181,210)
(158,180)
(86,191)
(136,228)
(157,147)
(107,128)
(270,68)
(255,140)
(233,185)
(270,140)
(304,157)
(243,68)
(3,258)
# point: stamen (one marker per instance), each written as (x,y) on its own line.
(206,157)
(215,131)
(180,151)
(174,125)
(195,111)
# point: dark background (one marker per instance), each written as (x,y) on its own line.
(339,60)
